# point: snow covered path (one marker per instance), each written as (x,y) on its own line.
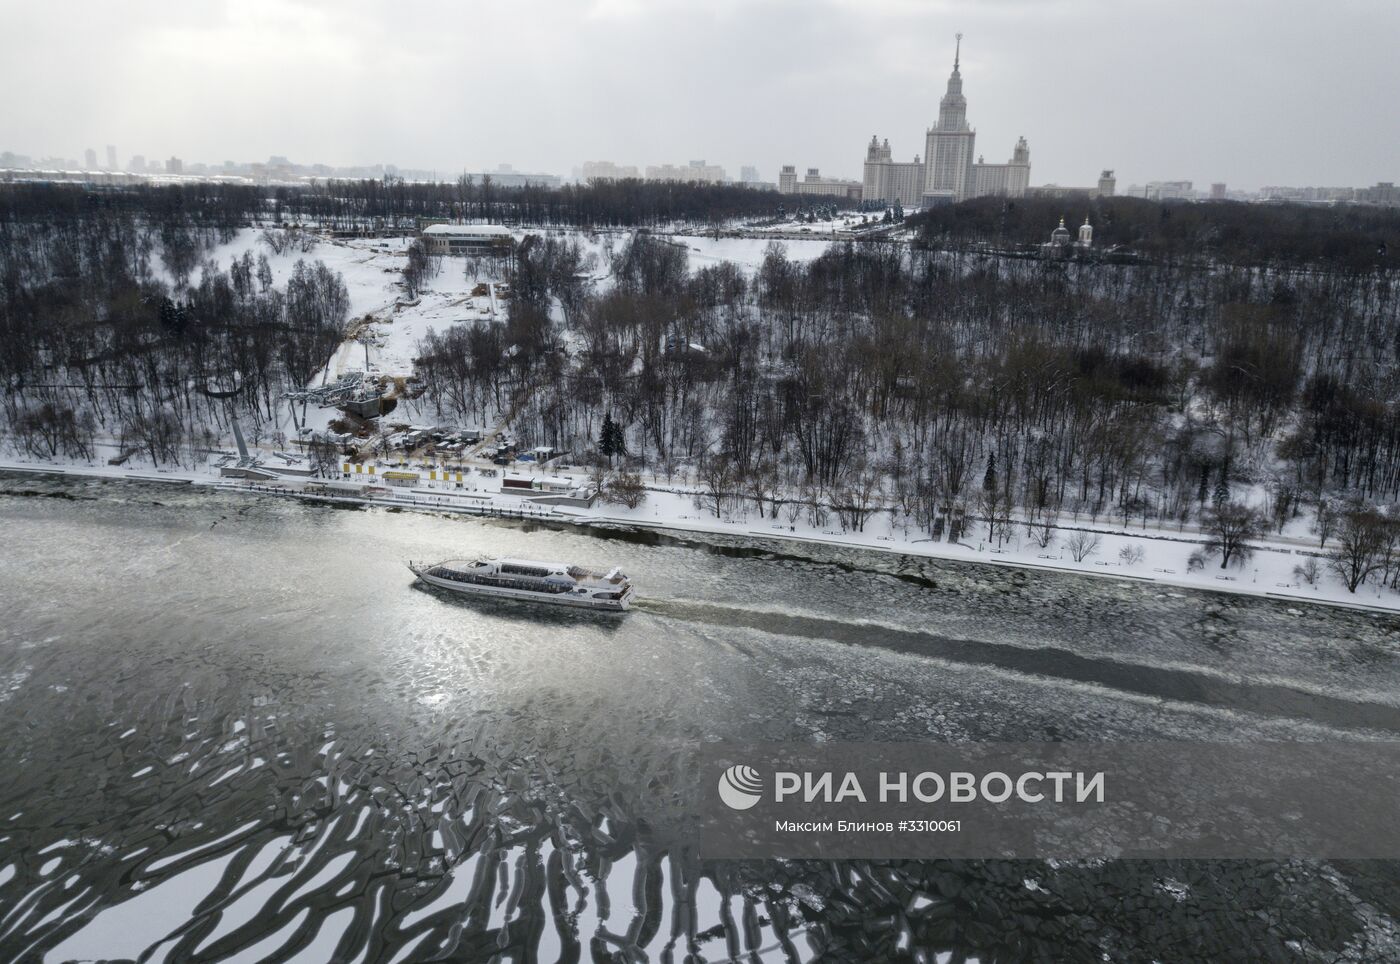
(1269,573)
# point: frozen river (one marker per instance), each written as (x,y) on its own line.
(233,728)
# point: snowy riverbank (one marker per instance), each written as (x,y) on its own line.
(1268,573)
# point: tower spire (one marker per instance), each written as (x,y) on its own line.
(957,52)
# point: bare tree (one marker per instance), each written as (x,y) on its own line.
(625,488)
(762,485)
(51,429)
(419,268)
(325,456)
(858,500)
(1308,571)
(1041,528)
(1229,528)
(1082,544)
(717,481)
(991,505)
(816,510)
(598,480)
(1361,540)
(1325,523)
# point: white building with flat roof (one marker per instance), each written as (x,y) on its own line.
(507,176)
(466,238)
(694,171)
(608,171)
(815,184)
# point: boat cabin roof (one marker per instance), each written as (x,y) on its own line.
(577,573)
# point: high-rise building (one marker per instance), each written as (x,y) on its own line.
(89,160)
(1217,191)
(888,180)
(1105,188)
(815,184)
(1006,180)
(1385,193)
(950,144)
(748,174)
(1170,191)
(948,172)
(507,176)
(137,164)
(607,171)
(694,171)
(111,157)
(174,166)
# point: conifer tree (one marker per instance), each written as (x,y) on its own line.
(1222,488)
(606,437)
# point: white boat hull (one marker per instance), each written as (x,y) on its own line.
(571,600)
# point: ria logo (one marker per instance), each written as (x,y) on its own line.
(740,787)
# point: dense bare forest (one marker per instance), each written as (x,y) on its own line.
(942,385)
(1340,237)
(1225,366)
(97,342)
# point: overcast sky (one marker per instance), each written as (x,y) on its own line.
(1250,92)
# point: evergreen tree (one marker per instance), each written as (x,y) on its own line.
(1222,488)
(606,437)
(619,440)
(169,314)
(175,317)
(989,481)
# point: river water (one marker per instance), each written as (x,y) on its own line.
(233,728)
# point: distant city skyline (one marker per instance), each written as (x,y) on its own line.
(279,167)
(1248,94)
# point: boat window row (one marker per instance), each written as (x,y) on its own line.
(512,569)
(500,582)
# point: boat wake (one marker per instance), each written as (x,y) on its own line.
(1192,685)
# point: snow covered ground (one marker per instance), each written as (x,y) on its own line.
(843,221)
(371,269)
(747,253)
(1164,554)
(1268,572)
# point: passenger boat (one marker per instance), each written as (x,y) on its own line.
(555,583)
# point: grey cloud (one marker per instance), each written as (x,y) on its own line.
(1249,92)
